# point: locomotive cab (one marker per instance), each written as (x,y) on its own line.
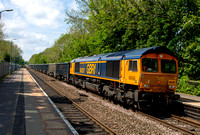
(158,78)
(159,73)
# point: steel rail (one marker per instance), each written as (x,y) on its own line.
(109,130)
(192,111)
(168,124)
(186,121)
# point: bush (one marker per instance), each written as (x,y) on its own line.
(188,87)
(197,91)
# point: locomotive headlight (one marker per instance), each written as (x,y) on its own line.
(171,84)
(171,87)
(145,86)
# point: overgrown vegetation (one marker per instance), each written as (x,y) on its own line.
(5,49)
(101,26)
(188,87)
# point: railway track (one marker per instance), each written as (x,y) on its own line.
(71,114)
(80,119)
(177,123)
(192,112)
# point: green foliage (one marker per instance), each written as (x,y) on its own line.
(190,55)
(5,51)
(1,32)
(187,87)
(5,48)
(7,57)
(183,85)
(101,26)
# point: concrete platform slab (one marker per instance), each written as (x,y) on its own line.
(25,108)
(190,100)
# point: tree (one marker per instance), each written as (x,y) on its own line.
(5,48)
(101,26)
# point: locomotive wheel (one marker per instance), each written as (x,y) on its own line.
(129,102)
(105,94)
(66,80)
(144,105)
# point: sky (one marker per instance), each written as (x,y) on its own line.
(35,24)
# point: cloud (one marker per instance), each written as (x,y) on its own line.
(16,25)
(33,50)
(1,6)
(39,48)
(43,13)
(36,24)
(30,42)
(73,5)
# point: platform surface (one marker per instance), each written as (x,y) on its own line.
(25,109)
(190,100)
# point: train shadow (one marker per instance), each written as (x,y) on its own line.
(60,100)
(163,112)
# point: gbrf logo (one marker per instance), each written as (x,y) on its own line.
(91,68)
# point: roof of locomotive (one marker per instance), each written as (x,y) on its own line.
(123,55)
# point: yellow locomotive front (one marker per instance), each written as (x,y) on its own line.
(159,73)
(150,75)
(158,79)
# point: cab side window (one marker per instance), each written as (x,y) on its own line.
(132,66)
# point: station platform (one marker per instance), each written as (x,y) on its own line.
(26,109)
(190,100)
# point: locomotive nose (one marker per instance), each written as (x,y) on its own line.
(157,83)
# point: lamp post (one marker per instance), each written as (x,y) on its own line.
(10,56)
(14,55)
(20,61)
(8,10)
